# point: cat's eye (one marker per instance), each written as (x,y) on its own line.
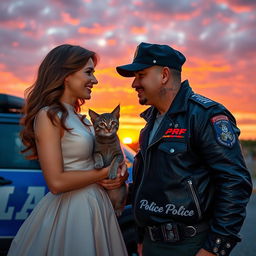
(102,125)
(113,123)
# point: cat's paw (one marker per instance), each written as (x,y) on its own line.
(112,175)
(98,165)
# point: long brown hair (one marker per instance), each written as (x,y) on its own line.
(59,63)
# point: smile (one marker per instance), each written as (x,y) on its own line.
(139,91)
(89,88)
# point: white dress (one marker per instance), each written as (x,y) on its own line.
(77,223)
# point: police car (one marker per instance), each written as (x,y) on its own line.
(21,181)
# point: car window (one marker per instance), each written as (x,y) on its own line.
(10,146)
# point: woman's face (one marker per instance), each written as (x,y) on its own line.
(80,83)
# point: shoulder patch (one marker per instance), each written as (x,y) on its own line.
(223,130)
(203,101)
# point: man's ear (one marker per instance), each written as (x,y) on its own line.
(165,75)
(93,115)
(116,112)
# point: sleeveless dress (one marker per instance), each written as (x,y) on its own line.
(77,223)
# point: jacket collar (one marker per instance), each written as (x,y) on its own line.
(178,105)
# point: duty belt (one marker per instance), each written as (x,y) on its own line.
(173,232)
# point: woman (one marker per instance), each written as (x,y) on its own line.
(76,216)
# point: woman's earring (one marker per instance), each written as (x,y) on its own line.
(65,82)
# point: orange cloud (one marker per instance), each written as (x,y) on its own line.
(111,42)
(68,19)
(246,122)
(11,84)
(96,29)
(160,16)
(138,30)
(204,73)
(13,24)
(238,8)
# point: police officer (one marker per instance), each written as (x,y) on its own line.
(191,184)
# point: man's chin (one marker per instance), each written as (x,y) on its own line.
(143,101)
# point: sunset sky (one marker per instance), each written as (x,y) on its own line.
(218,38)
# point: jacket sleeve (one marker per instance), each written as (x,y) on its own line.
(221,152)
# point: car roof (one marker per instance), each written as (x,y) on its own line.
(10,103)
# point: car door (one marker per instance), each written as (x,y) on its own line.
(21,181)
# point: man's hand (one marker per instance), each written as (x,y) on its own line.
(122,176)
(203,252)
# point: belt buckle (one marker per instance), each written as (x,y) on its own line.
(193,231)
(151,232)
(170,232)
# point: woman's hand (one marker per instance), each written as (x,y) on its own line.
(122,176)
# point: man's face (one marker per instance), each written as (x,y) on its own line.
(147,83)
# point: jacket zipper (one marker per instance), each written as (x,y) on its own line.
(190,183)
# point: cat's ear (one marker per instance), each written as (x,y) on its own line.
(93,115)
(116,112)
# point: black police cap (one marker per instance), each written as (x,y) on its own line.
(148,55)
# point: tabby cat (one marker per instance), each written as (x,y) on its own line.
(107,151)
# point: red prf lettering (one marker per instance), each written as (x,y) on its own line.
(182,131)
(168,131)
(175,131)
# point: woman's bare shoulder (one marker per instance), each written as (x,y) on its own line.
(43,119)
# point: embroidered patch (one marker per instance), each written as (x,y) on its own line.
(223,130)
(175,133)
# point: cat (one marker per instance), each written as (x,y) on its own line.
(108,151)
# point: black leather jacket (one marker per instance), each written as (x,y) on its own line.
(192,170)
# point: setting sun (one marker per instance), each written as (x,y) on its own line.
(127,140)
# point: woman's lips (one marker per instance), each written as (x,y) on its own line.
(89,88)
